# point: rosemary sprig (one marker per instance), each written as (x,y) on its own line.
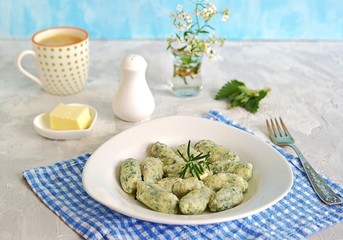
(196,164)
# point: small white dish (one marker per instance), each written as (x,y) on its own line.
(42,126)
(272,176)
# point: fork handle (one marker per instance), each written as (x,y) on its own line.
(324,192)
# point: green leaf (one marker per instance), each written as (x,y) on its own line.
(209,26)
(203,31)
(229,89)
(252,105)
(238,95)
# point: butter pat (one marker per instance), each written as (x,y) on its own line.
(69,117)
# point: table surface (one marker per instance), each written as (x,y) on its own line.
(307,91)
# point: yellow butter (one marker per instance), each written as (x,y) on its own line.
(67,117)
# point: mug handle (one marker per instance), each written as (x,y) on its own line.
(19,58)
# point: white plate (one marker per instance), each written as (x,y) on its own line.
(42,126)
(272,176)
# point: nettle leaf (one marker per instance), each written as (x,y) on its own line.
(229,89)
(252,104)
(238,95)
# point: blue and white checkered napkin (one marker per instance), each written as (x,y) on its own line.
(299,214)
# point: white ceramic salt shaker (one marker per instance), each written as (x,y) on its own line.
(133,100)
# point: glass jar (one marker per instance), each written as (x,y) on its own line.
(186,80)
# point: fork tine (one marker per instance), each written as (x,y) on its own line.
(274,127)
(271,133)
(278,127)
(284,128)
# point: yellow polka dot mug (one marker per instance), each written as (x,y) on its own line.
(62,59)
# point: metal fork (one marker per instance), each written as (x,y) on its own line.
(279,135)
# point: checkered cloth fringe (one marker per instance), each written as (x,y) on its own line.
(299,214)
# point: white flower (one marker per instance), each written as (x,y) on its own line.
(212,8)
(208,12)
(225,18)
(204,14)
(188,19)
(194,31)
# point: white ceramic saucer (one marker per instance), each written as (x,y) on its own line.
(42,126)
